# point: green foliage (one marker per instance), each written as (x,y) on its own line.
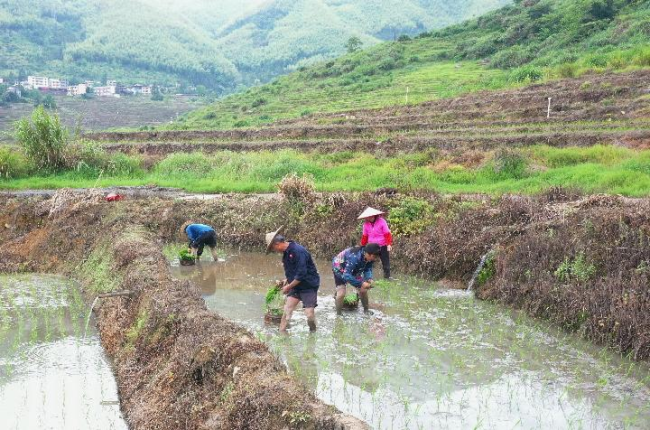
(597,169)
(13,164)
(410,216)
(274,301)
(185,255)
(353,44)
(526,42)
(44,140)
(351,299)
(508,164)
(577,269)
(217,48)
(48,102)
(488,271)
(526,74)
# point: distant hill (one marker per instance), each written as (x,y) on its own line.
(531,40)
(221,45)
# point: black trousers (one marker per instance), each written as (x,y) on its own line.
(208,238)
(385,261)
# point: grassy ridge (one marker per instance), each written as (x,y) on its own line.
(529,41)
(601,169)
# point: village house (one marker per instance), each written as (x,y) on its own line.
(106,91)
(140,89)
(77,90)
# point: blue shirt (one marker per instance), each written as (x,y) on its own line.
(352,267)
(194,231)
(299,265)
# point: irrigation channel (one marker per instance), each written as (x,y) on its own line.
(429,357)
(53,374)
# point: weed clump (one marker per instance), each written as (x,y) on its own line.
(577,269)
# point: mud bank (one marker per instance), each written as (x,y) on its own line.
(580,262)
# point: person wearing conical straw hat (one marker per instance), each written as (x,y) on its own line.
(301,281)
(376,230)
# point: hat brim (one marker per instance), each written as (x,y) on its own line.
(275,234)
(370,213)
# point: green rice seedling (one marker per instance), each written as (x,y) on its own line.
(351,299)
(274,301)
(186,258)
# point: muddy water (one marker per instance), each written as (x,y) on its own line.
(51,376)
(434,358)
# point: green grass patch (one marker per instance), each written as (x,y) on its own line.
(602,169)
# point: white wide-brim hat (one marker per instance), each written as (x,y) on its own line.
(270,237)
(370,212)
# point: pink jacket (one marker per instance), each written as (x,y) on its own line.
(377,232)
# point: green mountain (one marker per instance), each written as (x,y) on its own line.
(284,34)
(531,40)
(221,45)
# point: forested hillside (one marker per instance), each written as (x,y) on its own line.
(532,40)
(221,45)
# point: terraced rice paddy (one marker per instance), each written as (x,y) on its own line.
(53,374)
(430,357)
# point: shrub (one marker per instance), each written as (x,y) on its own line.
(411,216)
(508,164)
(568,70)
(258,102)
(509,58)
(13,164)
(642,58)
(526,74)
(241,123)
(43,139)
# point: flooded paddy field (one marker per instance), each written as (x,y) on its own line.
(429,357)
(53,371)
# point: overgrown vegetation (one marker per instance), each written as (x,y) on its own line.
(603,169)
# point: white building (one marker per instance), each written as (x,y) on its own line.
(38,82)
(77,90)
(141,89)
(111,83)
(58,84)
(2,81)
(107,91)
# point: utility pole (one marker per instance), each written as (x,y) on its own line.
(548,112)
(407,95)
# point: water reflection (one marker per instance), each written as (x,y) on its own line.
(431,358)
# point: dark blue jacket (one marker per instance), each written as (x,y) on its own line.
(299,265)
(194,231)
